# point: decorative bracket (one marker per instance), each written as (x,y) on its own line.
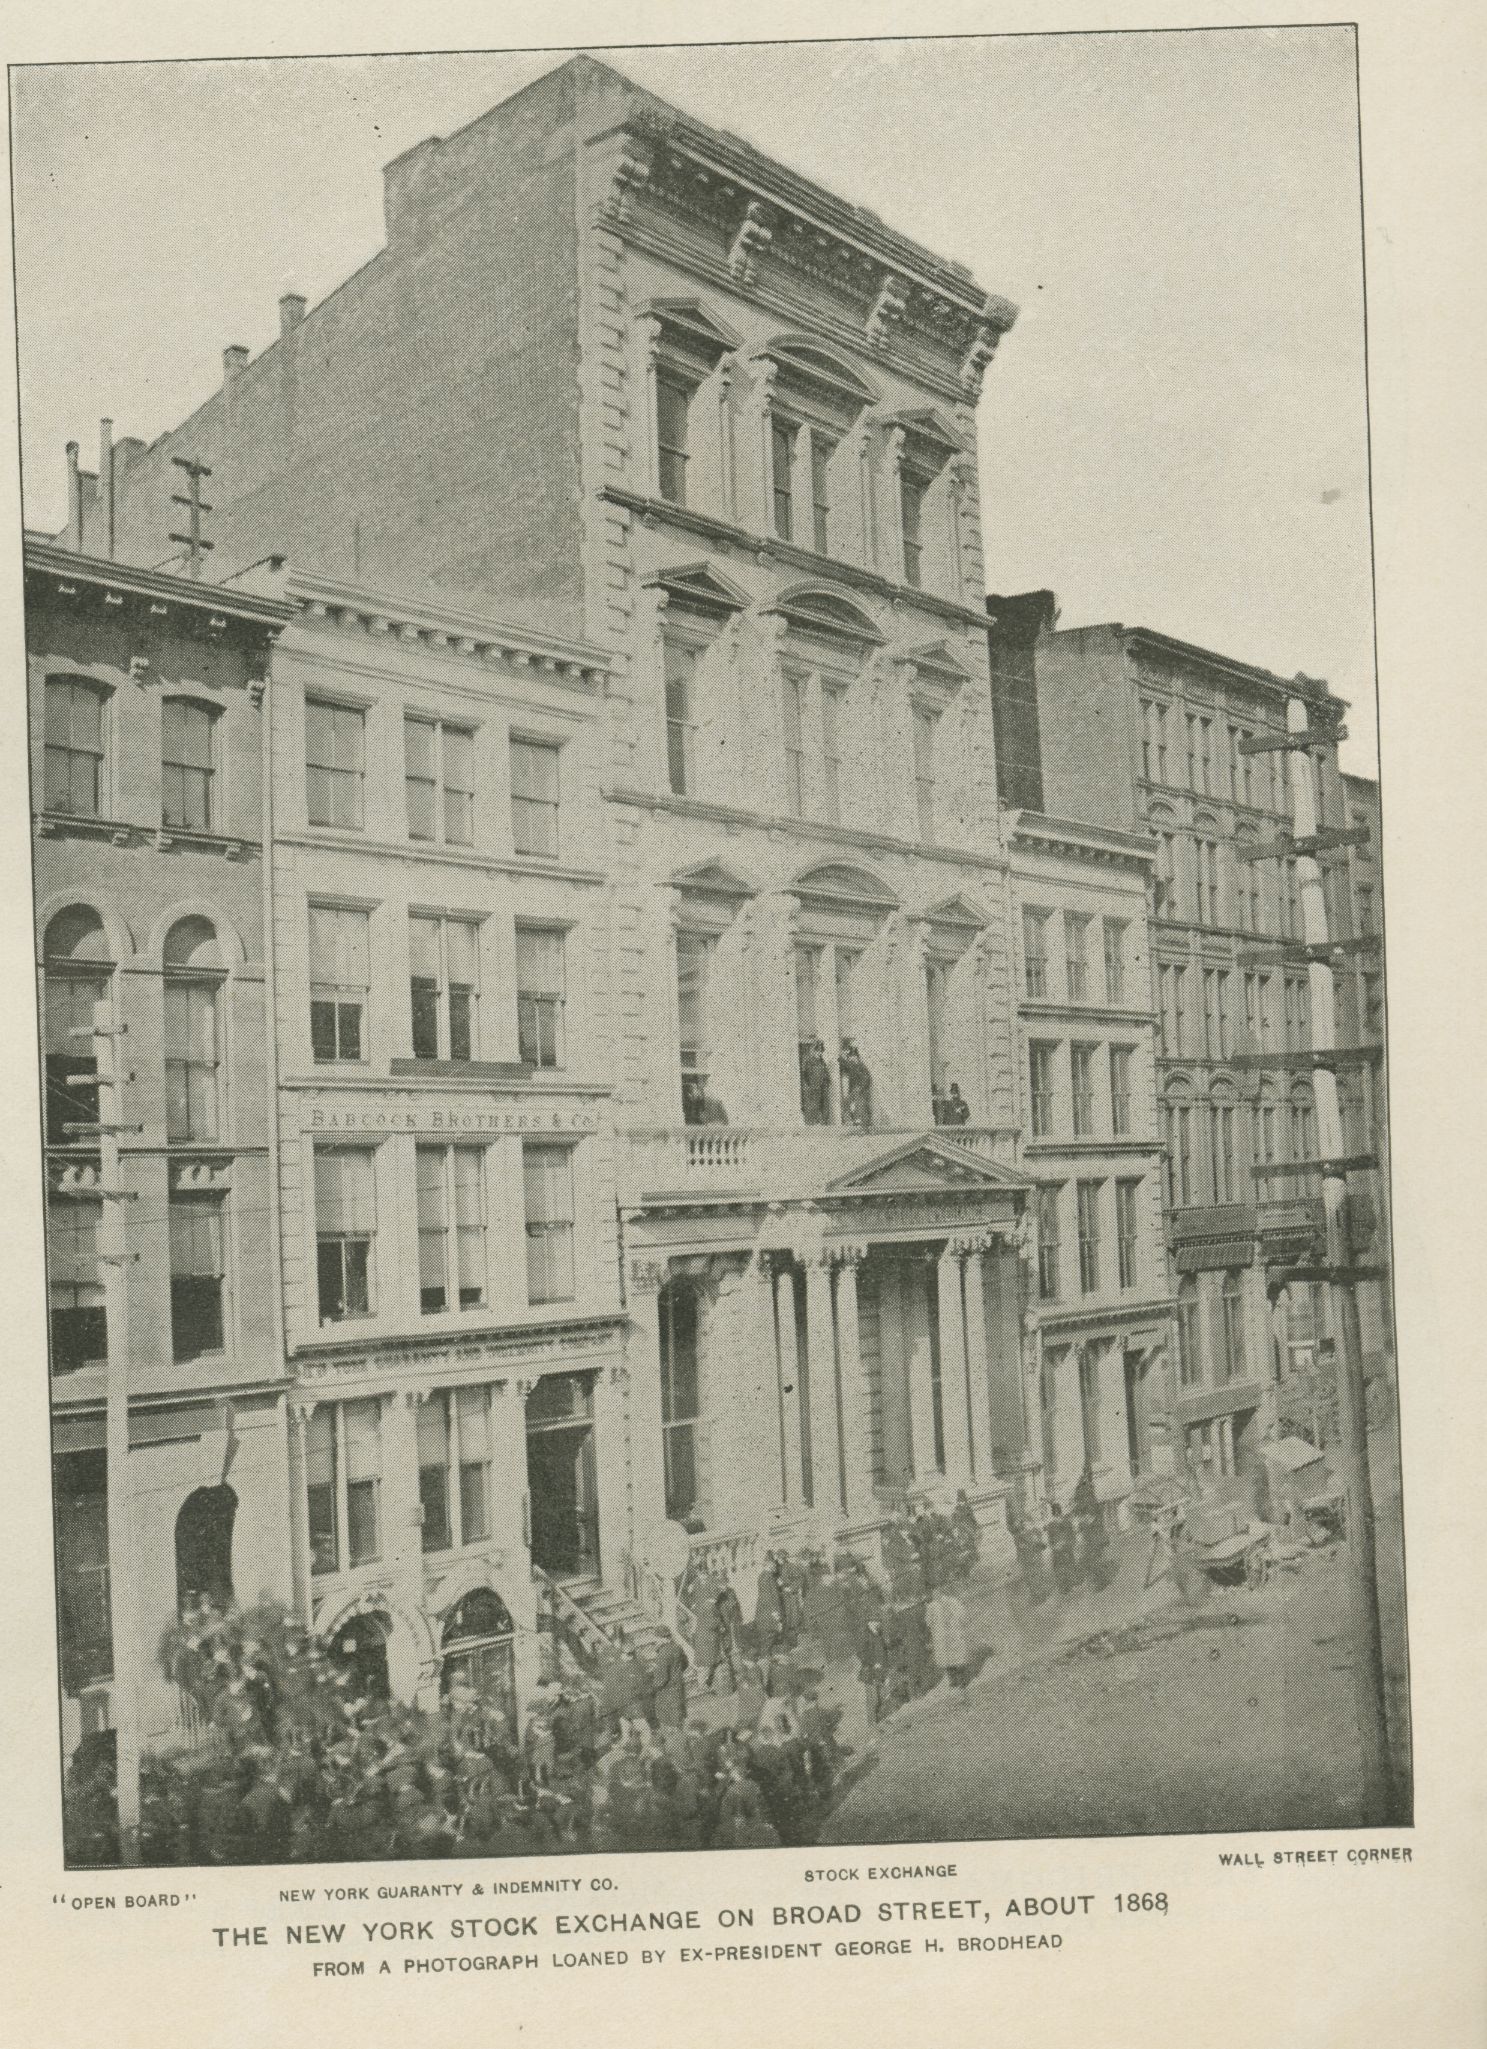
(755,233)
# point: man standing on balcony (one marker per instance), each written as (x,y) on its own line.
(857,1087)
(815,1083)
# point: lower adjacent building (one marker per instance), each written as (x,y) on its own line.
(1101,1324)
(168,1381)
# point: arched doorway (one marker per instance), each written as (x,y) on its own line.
(204,1547)
(477,1654)
(360,1648)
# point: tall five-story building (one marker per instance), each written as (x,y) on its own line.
(700,414)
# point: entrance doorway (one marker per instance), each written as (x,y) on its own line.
(477,1656)
(360,1649)
(204,1547)
(561,1476)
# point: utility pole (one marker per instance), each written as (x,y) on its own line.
(196,508)
(1339,1268)
(115,1258)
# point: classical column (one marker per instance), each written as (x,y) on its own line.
(611,1424)
(741,1400)
(954,1415)
(511,1525)
(921,1375)
(646,1277)
(857,1446)
(788,1370)
(978,1362)
(826,1482)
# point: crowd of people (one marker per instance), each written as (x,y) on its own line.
(300,1759)
(1059,1549)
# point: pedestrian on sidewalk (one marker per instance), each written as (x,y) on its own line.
(1094,1540)
(1031,1542)
(874,1666)
(1063,1550)
(950,1637)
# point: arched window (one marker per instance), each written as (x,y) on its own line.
(188,749)
(1265,1140)
(1235,1359)
(74,739)
(360,1649)
(78,981)
(1303,1125)
(194,1067)
(478,1667)
(1180,1176)
(204,1547)
(1221,1143)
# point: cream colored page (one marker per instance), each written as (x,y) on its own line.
(1092,1773)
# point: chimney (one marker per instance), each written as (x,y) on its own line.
(74,499)
(234,359)
(106,483)
(291,311)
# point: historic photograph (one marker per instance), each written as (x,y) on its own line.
(709,943)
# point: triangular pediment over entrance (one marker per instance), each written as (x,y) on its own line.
(927,1166)
(699,585)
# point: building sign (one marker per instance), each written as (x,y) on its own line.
(442,1115)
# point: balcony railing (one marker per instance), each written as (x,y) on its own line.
(734,1159)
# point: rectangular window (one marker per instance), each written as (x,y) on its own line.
(912,490)
(1160,738)
(322,1487)
(1167,905)
(807,998)
(1205,756)
(1115,960)
(1364,912)
(1089,1237)
(198,1275)
(534,798)
(1224,999)
(822,450)
(187,745)
(782,435)
(832,696)
(694,954)
(673,411)
(1189,1336)
(340,953)
(439,777)
(193,1062)
(1126,1193)
(680,1405)
(1180,1152)
(1040,1080)
(1076,957)
(1120,1091)
(1221,1149)
(1148,740)
(433,1473)
(451,1228)
(1089,1402)
(794,708)
(1192,733)
(681,720)
(1035,952)
(74,748)
(540,997)
(472,1424)
(1234,1352)
(1048,1244)
(444,986)
(1212,1028)
(363,1430)
(547,1173)
(925,723)
(77,1006)
(345,1227)
(1082,1078)
(937,1004)
(1208,882)
(79,1321)
(1180,1009)
(335,764)
(844,976)
(343,1483)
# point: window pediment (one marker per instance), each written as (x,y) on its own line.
(957,914)
(712,879)
(839,886)
(691,334)
(802,363)
(937,662)
(826,615)
(700,587)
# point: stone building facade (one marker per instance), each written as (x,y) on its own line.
(1143,732)
(696,412)
(1102,1368)
(446,1159)
(167,1371)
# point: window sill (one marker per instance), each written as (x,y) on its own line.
(459,1070)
